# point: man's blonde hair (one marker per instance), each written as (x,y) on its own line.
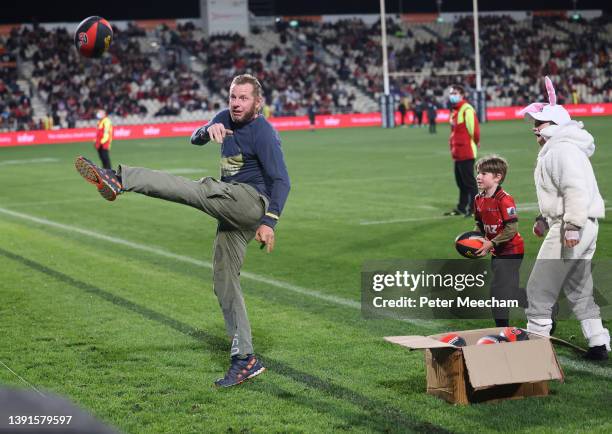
(493,164)
(249,79)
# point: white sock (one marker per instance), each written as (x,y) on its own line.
(541,326)
(595,332)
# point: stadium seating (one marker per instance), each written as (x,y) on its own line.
(514,56)
(15,102)
(178,74)
(300,76)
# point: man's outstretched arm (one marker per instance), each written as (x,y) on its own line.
(213,130)
(200,136)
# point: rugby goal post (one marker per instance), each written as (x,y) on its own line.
(387,103)
(475,96)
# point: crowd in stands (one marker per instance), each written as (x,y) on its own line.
(73,87)
(357,48)
(514,56)
(293,77)
(307,67)
(15,105)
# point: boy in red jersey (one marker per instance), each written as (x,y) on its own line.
(497,220)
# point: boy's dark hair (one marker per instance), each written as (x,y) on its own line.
(493,164)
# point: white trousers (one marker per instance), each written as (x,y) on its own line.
(558,267)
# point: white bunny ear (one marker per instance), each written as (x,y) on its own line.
(552,96)
(535,107)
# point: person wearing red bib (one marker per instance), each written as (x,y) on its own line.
(464,142)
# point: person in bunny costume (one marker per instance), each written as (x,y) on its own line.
(570,206)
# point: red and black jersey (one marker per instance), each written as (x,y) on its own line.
(493,214)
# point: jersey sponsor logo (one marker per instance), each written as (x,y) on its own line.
(511,211)
(230,166)
(490,229)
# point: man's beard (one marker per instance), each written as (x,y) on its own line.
(246,117)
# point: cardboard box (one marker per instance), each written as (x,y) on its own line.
(481,373)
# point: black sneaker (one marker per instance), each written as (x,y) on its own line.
(599,353)
(106,180)
(241,370)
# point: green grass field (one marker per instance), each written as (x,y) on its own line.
(111,304)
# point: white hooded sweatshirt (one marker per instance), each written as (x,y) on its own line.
(564,178)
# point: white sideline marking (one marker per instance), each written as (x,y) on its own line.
(21,378)
(340,301)
(53,202)
(29,161)
(408,219)
(408,177)
(528,206)
(425,207)
(160,252)
(591,368)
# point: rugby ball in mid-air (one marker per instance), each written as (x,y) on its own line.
(468,243)
(453,339)
(93,36)
(491,339)
(514,334)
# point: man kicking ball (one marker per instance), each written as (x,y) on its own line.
(247,202)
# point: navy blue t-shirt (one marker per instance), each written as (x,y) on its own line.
(253,156)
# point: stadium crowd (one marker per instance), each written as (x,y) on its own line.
(299,77)
(307,66)
(73,87)
(516,56)
(15,105)
(513,55)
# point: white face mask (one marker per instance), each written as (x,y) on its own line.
(100,115)
(454,99)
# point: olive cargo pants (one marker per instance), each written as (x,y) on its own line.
(238,208)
